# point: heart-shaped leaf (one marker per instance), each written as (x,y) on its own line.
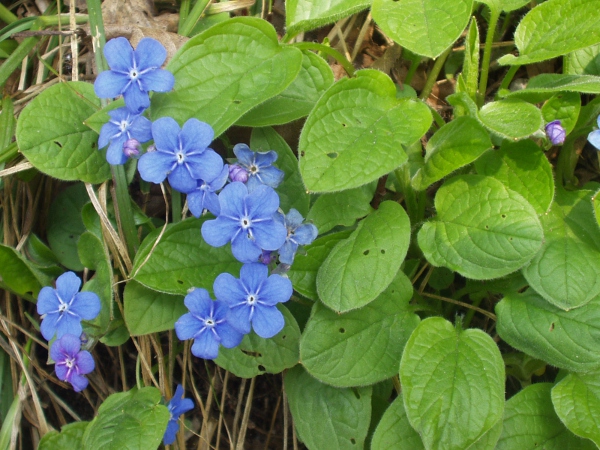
(394,430)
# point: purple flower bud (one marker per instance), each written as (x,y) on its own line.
(131,148)
(556,133)
(238,173)
(267,257)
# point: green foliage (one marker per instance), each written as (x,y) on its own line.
(70,436)
(302,15)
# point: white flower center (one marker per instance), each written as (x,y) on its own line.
(209,323)
(70,362)
(180,157)
(245,223)
(251,299)
(123,126)
(62,307)
(133,74)
(253,169)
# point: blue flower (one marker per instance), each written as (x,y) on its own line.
(134,72)
(297,234)
(177,406)
(555,132)
(205,196)
(253,299)
(208,324)
(63,308)
(259,168)
(181,154)
(122,127)
(594,136)
(71,363)
(247,221)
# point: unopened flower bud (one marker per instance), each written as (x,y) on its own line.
(267,257)
(556,133)
(131,148)
(238,173)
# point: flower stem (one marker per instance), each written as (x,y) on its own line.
(435,71)
(176,205)
(487,53)
(124,211)
(509,76)
(347,65)
(190,22)
(97,32)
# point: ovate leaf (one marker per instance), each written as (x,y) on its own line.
(17,274)
(304,15)
(452,383)
(547,84)
(585,61)
(511,119)
(483,230)
(394,430)
(347,143)
(70,436)
(563,106)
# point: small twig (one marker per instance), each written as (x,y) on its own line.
(465,305)
(246,418)
(238,409)
(26,165)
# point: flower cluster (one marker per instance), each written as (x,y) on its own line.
(62,310)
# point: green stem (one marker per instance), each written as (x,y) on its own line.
(487,53)
(124,210)
(435,71)
(16,58)
(565,166)
(8,153)
(184,12)
(6,15)
(471,312)
(176,205)
(98,34)
(410,196)
(414,65)
(347,65)
(193,17)
(509,76)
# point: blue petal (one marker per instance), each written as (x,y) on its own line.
(262,203)
(110,84)
(270,176)
(220,310)
(154,166)
(119,54)
(239,318)
(269,235)
(208,165)
(48,325)
(220,180)
(181,180)
(198,301)
(79,382)
(594,138)
(115,154)
(196,136)
(245,249)
(136,100)
(171,432)
(293,219)
(69,345)
(149,53)
(47,301)
(244,155)
(67,285)
(183,406)
(68,324)
(230,337)
(107,132)
(211,202)
(265,159)
(86,305)
(305,234)
(177,396)
(220,231)
(287,252)
(187,327)
(195,201)
(141,129)
(276,289)
(157,80)
(228,289)
(253,276)
(232,198)
(206,346)
(61,371)
(85,362)
(267,321)
(165,132)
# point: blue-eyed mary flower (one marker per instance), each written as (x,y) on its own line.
(555,132)
(134,73)
(247,221)
(207,324)
(259,167)
(122,127)
(182,155)
(205,194)
(177,406)
(594,136)
(253,298)
(70,362)
(297,234)
(63,308)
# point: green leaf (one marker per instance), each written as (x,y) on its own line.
(327,417)
(303,272)
(304,15)
(511,119)
(523,167)
(181,260)
(489,438)
(547,84)
(226,71)
(256,355)
(360,267)
(530,423)
(70,436)
(563,106)
(346,143)
(555,28)
(134,420)
(394,430)
(596,206)
(504,5)
(53,137)
(585,61)
(314,78)
(65,225)
(17,274)
(341,208)
(566,271)
(453,146)
(565,339)
(471,63)
(363,346)
(291,191)
(425,27)
(576,401)
(483,229)
(148,311)
(452,383)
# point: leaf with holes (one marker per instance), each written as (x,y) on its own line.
(425,27)
(181,260)
(226,71)
(452,383)
(363,346)
(53,137)
(327,417)
(511,119)
(566,270)
(453,146)
(523,167)
(530,422)
(555,28)
(483,230)
(359,268)
(298,99)
(355,133)
(576,400)
(304,15)
(394,430)
(565,339)
(256,355)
